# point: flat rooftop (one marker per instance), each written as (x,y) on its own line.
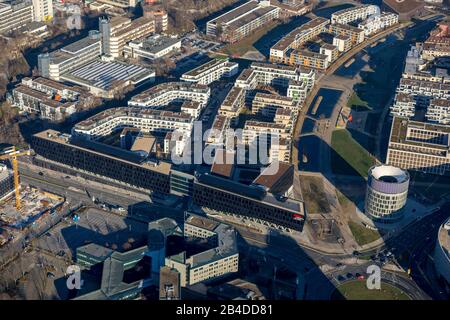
(64,139)
(284,43)
(107,75)
(235,13)
(205,67)
(399,133)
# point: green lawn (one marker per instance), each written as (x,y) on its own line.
(362,234)
(350,157)
(356,103)
(241,47)
(357,290)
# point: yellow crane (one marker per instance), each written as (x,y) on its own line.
(12,154)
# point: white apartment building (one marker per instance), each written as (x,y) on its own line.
(211,71)
(297,90)
(15,14)
(48,99)
(296,38)
(439,111)
(192,108)
(119,31)
(242,20)
(354,13)
(162,94)
(404,106)
(43,10)
(376,23)
(268,104)
(54,64)
(424,91)
(233,105)
(254,129)
(146,120)
(218,130)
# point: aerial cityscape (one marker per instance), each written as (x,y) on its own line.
(225,150)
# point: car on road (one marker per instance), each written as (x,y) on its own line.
(339,265)
(60,253)
(41,173)
(341,277)
(350,275)
(50,275)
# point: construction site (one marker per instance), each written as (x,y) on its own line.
(35,205)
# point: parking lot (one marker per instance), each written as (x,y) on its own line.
(94,226)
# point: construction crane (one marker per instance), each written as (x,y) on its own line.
(12,154)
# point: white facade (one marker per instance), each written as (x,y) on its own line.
(152,48)
(108,121)
(15,15)
(387,192)
(53,65)
(43,10)
(211,71)
(161,95)
(376,23)
(353,14)
(439,111)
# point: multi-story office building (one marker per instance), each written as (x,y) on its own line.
(162,94)
(153,47)
(221,260)
(354,14)
(48,99)
(6,181)
(211,71)
(439,111)
(146,120)
(224,196)
(241,21)
(308,59)
(97,161)
(356,35)
(404,105)
(118,31)
(296,38)
(419,146)
(268,104)
(43,10)
(376,23)
(441,254)
(387,192)
(15,14)
(54,64)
